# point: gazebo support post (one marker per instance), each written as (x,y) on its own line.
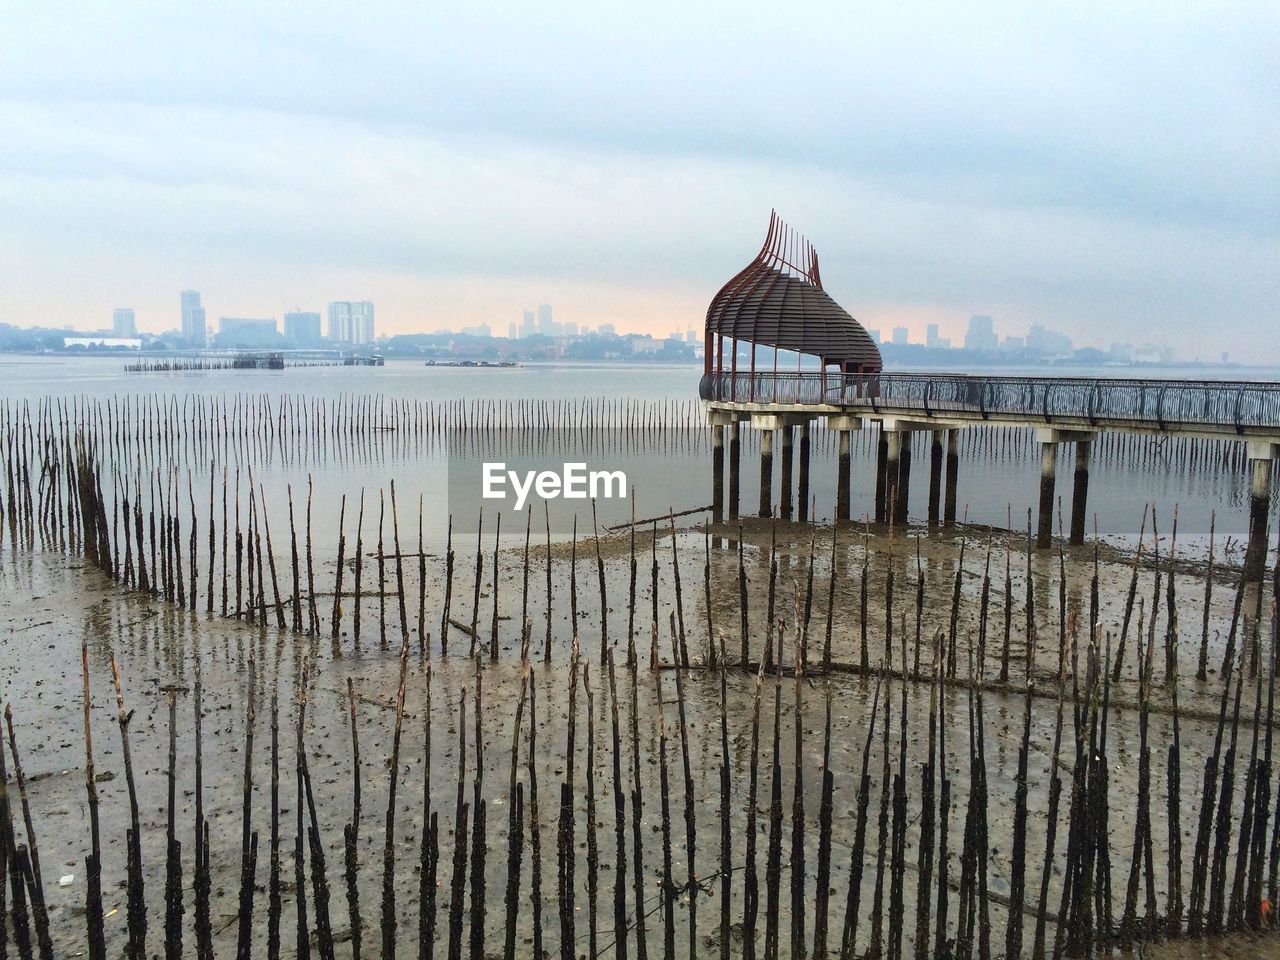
(882,471)
(1260,468)
(786,503)
(1080,492)
(893,462)
(903,482)
(804,472)
(766,472)
(842,477)
(935,477)
(844,426)
(717,473)
(735,449)
(953,479)
(1048,469)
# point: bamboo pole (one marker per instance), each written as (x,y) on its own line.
(137,909)
(94,862)
(388,850)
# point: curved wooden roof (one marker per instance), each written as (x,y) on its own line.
(777,300)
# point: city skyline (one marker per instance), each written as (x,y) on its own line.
(1007,161)
(917,331)
(981,334)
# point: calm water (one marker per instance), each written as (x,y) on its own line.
(999,470)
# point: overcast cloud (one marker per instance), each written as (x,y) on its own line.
(1112,173)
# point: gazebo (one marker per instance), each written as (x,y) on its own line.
(777,301)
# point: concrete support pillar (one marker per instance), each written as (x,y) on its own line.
(882,472)
(735,449)
(788,499)
(1255,558)
(901,508)
(1080,491)
(803,497)
(717,473)
(1048,468)
(766,473)
(935,477)
(893,459)
(953,477)
(843,471)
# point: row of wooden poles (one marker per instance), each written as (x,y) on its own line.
(194,364)
(191,427)
(953,898)
(142,527)
(134,530)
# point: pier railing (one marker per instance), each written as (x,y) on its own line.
(1157,404)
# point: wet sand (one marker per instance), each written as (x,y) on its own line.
(54,603)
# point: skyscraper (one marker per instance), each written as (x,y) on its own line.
(981,335)
(351,321)
(123,323)
(302,328)
(193,327)
(900,336)
(528,327)
(546,325)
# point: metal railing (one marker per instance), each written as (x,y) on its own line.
(1160,404)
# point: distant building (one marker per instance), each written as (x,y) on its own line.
(123,322)
(1045,342)
(302,328)
(607,330)
(513,332)
(546,325)
(479,330)
(247,326)
(981,335)
(645,345)
(193,323)
(691,336)
(900,336)
(351,321)
(1013,344)
(874,335)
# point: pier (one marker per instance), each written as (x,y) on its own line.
(778,302)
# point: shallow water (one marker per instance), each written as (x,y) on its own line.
(668,467)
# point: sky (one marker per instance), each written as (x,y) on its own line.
(1108,170)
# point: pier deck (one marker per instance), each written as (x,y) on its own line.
(1217,409)
(1060,409)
